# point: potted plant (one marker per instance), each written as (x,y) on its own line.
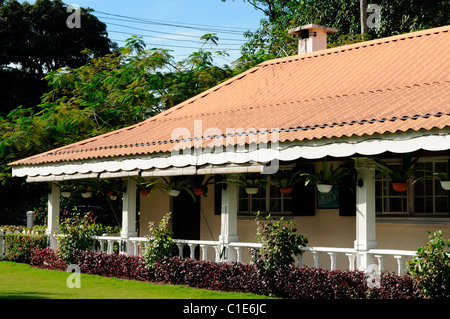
(175,184)
(66,189)
(110,188)
(250,181)
(326,178)
(146,187)
(444,178)
(285,180)
(200,184)
(398,175)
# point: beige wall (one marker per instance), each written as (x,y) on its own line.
(325,229)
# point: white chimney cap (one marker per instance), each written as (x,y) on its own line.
(311,37)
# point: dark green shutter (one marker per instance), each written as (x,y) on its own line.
(303,197)
(347,193)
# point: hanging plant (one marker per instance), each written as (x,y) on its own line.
(200,184)
(397,174)
(66,189)
(285,180)
(326,178)
(175,184)
(443,177)
(252,182)
(146,187)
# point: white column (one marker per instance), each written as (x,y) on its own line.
(128,214)
(53,213)
(30,218)
(228,217)
(365,212)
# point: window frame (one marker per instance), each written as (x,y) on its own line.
(411,194)
(267,196)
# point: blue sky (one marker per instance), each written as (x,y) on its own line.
(227,19)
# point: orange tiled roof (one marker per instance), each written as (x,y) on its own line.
(387,85)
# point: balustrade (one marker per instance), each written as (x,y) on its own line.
(214,250)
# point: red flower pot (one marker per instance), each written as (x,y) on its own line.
(400,187)
(286,190)
(198,191)
(145,192)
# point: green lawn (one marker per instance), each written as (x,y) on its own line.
(25,282)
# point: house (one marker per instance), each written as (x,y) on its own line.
(383,98)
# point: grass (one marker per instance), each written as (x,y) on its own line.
(21,281)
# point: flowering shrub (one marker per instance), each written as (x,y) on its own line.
(47,258)
(19,246)
(77,232)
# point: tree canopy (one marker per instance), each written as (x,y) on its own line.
(107,93)
(35,39)
(272,40)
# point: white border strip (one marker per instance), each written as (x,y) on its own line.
(286,152)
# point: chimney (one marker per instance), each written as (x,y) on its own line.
(311,37)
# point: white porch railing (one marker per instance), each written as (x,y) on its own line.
(216,251)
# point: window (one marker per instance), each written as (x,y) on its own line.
(268,200)
(425,197)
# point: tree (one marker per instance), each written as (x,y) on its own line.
(105,94)
(272,40)
(363,15)
(35,39)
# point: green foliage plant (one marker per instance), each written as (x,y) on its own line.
(396,174)
(201,182)
(76,234)
(248,180)
(285,178)
(430,268)
(160,241)
(177,183)
(327,175)
(280,242)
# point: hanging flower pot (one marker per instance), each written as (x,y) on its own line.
(252,190)
(198,191)
(400,187)
(286,190)
(66,194)
(144,192)
(445,185)
(324,188)
(174,192)
(86,195)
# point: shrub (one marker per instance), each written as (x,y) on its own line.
(19,246)
(430,268)
(224,276)
(47,258)
(160,243)
(76,234)
(289,282)
(393,286)
(279,244)
(315,283)
(112,265)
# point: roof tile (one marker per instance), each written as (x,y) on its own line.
(382,86)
